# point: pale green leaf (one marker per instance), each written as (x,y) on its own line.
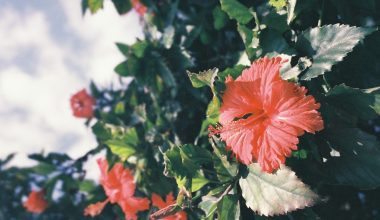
(329,44)
(209,205)
(204,78)
(94,5)
(274,194)
(198,181)
(120,148)
(278,4)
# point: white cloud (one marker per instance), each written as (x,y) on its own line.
(40,72)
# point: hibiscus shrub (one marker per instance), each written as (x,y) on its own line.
(229,109)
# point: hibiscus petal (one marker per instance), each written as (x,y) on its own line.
(239,138)
(264,70)
(158,201)
(132,205)
(239,99)
(295,108)
(96,208)
(276,143)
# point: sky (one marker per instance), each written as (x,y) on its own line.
(48,52)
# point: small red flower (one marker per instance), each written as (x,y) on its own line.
(82,104)
(139,7)
(119,187)
(262,115)
(161,204)
(36,202)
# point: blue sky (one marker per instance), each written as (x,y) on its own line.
(48,51)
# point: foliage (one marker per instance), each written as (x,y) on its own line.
(157,126)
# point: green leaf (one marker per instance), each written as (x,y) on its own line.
(123,48)
(126,146)
(300,154)
(120,108)
(43,168)
(185,160)
(234,72)
(212,112)
(122,6)
(288,72)
(278,4)
(228,207)
(204,78)
(168,37)
(246,34)
(165,72)
(121,149)
(275,20)
(223,165)
(208,205)
(354,101)
(173,163)
(198,181)
(273,41)
(130,67)
(358,163)
(84,6)
(194,156)
(122,69)
(237,11)
(87,186)
(139,48)
(220,18)
(94,5)
(274,194)
(328,45)
(101,132)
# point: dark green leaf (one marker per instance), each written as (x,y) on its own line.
(220,18)
(43,168)
(358,160)
(236,10)
(122,6)
(354,101)
(228,207)
(272,41)
(123,48)
(101,132)
(165,72)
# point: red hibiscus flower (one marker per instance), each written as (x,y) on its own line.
(262,115)
(82,104)
(139,7)
(36,202)
(161,204)
(119,187)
